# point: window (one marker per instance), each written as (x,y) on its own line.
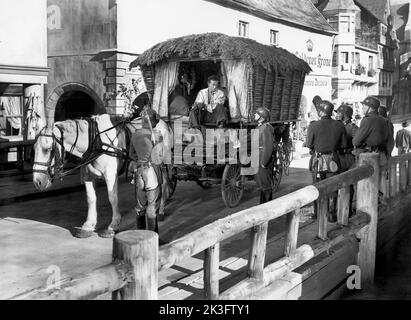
(333,21)
(345,24)
(243,28)
(11,116)
(344,57)
(370,62)
(273,37)
(352,58)
(357,58)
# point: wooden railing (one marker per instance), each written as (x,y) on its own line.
(137,258)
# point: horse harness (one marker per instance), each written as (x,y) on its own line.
(96,148)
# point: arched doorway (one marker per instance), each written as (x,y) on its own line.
(75,105)
(73,101)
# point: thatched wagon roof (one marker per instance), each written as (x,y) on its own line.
(221,46)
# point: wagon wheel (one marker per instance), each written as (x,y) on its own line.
(232,185)
(172,179)
(277,172)
(204,184)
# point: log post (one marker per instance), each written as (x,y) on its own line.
(257,251)
(322,217)
(293,220)
(393,180)
(403,176)
(138,248)
(211,272)
(343,206)
(367,201)
(409,172)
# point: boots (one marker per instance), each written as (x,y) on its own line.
(266,196)
(152,224)
(141,222)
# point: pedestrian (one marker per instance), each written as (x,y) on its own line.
(147,175)
(403,139)
(326,137)
(316,102)
(264,175)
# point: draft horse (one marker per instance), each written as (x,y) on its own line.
(101,143)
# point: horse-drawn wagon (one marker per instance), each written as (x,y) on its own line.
(251,74)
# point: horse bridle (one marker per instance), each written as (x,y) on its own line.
(55,154)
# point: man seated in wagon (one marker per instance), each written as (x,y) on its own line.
(209,106)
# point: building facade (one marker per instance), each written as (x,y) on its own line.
(23,71)
(92,42)
(363,57)
(401,23)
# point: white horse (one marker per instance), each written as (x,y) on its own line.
(99,160)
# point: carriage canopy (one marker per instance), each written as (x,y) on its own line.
(252,74)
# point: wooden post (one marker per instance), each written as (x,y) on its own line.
(322,215)
(367,201)
(384,182)
(343,203)
(257,251)
(211,272)
(138,248)
(409,172)
(293,220)
(403,176)
(393,180)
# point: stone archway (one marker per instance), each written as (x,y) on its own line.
(65,94)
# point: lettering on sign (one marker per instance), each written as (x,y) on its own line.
(317,61)
(315,83)
(53,17)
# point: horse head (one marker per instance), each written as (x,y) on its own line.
(48,157)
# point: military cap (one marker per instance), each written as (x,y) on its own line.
(372,102)
(327,107)
(263,113)
(346,110)
(316,101)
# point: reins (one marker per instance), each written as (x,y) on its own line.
(94,154)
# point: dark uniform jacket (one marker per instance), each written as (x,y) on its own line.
(373,132)
(326,135)
(266,140)
(350,131)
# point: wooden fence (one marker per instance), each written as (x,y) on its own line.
(137,257)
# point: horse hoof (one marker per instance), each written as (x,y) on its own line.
(82,234)
(107,233)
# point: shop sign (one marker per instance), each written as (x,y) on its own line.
(53,17)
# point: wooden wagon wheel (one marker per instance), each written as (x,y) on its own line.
(232,185)
(277,171)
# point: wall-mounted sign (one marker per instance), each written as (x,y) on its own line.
(53,17)
(316,82)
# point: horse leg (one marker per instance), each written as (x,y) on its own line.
(88,227)
(112,189)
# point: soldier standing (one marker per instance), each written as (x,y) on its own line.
(264,175)
(382,111)
(148,175)
(347,159)
(373,136)
(325,138)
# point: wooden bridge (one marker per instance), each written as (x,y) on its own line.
(280,269)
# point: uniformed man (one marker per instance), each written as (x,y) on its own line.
(347,159)
(147,175)
(344,115)
(326,137)
(382,111)
(264,175)
(373,134)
